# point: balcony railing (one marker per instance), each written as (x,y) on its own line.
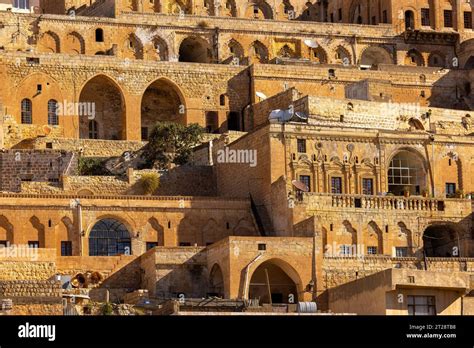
(380,202)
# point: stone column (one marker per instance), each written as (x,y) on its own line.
(459,25)
(132,117)
(437,15)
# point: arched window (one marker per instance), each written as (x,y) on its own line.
(109,237)
(406,174)
(99,35)
(93,130)
(53,118)
(26,111)
(409,20)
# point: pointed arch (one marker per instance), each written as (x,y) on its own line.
(49,42)
(258,53)
(74,43)
(108,99)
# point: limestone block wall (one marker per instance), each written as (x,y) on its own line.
(173,271)
(30,165)
(340,270)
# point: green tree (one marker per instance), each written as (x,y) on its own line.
(171,143)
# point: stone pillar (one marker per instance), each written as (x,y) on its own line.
(458,12)
(132,117)
(437,15)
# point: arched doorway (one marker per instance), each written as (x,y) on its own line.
(216,282)
(109,237)
(375,56)
(195,50)
(277,278)
(414,58)
(103,96)
(406,173)
(161,102)
(409,20)
(469,63)
(441,241)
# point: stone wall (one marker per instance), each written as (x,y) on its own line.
(26,165)
(173,271)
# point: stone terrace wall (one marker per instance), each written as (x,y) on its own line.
(169,271)
(340,270)
(89,147)
(31,165)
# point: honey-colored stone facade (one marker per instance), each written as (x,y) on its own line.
(336,165)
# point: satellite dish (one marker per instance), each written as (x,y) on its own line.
(311,43)
(261,95)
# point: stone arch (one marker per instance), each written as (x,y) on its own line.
(469,63)
(209,7)
(39,235)
(258,53)
(404,238)
(85,192)
(109,237)
(160,49)
(6,230)
(188,233)
(437,59)
(259,9)
(133,47)
(356,12)
(162,101)
(108,99)
(410,18)
(244,228)
(285,9)
(195,49)
(229,9)
(235,50)
(285,279)
(318,55)
(415,124)
(414,168)
(216,281)
(49,42)
(66,233)
(211,232)
(342,55)
(286,52)
(74,43)
(442,240)
(375,237)
(349,235)
(375,55)
(414,58)
(178,6)
(153,233)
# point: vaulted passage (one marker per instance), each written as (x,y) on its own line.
(194,50)
(270,278)
(109,237)
(103,96)
(441,241)
(161,102)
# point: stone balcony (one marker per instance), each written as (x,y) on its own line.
(328,201)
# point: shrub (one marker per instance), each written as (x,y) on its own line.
(92,166)
(107,309)
(150,183)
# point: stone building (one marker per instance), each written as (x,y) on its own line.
(335,169)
